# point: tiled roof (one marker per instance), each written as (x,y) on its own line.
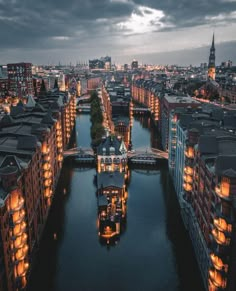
(110,179)
(108,145)
(226,165)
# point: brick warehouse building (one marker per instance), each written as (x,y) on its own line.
(32,139)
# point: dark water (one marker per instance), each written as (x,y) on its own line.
(154,252)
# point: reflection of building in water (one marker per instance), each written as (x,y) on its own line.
(112,196)
(112,155)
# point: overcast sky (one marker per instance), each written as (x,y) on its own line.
(157,31)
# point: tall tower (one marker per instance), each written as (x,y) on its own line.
(212,58)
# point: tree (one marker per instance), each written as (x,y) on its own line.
(97,129)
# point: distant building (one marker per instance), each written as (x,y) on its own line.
(104,63)
(134,65)
(168,103)
(126,67)
(3,87)
(93,83)
(211,64)
(3,71)
(203,65)
(227,64)
(20,79)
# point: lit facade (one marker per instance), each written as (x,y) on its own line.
(168,103)
(31,155)
(209,186)
(147,92)
(112,155)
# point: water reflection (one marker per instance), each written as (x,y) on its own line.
(149,135)
(151,252)
(47,254)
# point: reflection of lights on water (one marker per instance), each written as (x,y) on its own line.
(64,191)
(55,236)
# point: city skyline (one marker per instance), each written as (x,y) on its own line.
(164,32)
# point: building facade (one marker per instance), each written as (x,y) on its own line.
(20,81)
(31,153)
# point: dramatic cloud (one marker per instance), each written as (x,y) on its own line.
(52,30)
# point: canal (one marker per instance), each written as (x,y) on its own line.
(153,252)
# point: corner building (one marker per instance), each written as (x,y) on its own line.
(32,139)
(210,190)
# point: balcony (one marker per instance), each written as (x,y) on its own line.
(46,158)
(188,179)
(14,207)
(59,144)
(217,280)
(18,217)
(220,237)
(47,174)
(223,226)
(187,187)
(48,192)
(20,241)
(218,263)
(59,139)
(21,269)
(60,158)
(47,182)
(223,193)
(189,153)
(21,253)
(46,166)
(58,126)
(18,230)
(188,170)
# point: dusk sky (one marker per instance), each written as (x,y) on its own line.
(153,31)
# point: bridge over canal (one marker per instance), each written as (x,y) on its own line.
(143,156)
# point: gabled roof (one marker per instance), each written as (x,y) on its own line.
(27,142)
(12,161)
(17,110)
(110,179)
(226,165)
(30,102)
(6,120)
(109,145)
(48,119)
(208,144)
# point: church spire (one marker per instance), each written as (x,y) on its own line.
(211,65)
(213,42)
